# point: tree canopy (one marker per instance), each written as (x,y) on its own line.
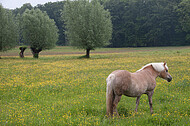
(8,30)
(88,24)
(40,32)
(54,10)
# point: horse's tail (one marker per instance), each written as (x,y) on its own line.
(109,95)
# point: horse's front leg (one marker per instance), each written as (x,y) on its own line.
(137,103)
(150,94)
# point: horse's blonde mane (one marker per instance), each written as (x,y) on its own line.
(157,66)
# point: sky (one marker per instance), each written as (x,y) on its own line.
(12,4)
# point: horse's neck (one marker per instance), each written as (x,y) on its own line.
(149,71)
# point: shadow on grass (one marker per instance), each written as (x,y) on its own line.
(83,57)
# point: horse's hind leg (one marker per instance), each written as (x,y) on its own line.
(137,103)
(115,103)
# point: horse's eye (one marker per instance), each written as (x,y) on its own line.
(166,70)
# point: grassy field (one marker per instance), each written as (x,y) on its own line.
(63,89)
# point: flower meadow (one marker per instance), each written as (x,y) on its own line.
(68,90)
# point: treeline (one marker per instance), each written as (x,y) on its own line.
(150,22)
(135,22)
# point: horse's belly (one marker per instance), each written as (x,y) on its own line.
(133,94)
(135,91)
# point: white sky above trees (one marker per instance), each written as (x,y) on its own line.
(13,4)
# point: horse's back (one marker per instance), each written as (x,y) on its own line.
(121,73)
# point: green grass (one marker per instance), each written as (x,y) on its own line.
(66,90)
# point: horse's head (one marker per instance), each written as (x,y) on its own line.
(165,74)
(161,69)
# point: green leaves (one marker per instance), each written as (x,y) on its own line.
(88,24)
(8,30)
(39,30)
(147,22)
(184,11)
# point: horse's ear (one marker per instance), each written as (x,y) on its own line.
(165,63)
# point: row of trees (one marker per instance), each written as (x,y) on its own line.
(88,26)
(135,22)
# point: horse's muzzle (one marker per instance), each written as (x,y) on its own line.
(169,79)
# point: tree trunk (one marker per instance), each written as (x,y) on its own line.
(35,52)
(87,53)
(22,49)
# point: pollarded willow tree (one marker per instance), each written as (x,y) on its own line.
(8,30)
(88,24)
(39,31)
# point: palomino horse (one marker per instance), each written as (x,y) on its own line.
(143,81)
